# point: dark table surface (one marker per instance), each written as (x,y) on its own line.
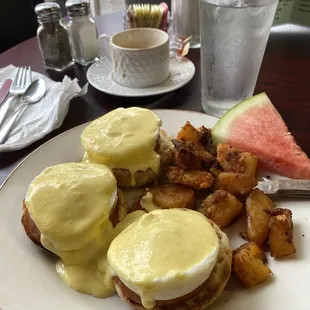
(284,76)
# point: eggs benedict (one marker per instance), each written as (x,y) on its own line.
(131,143)
(70,210)
(172,257)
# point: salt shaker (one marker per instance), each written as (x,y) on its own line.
(83,32)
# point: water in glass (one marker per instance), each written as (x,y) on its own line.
(234,35)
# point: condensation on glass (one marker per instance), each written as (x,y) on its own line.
(234,34)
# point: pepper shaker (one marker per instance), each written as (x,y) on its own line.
(83,32)
(53,37)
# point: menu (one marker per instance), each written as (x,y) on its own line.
(293,11)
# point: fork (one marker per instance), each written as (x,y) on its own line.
(20,83)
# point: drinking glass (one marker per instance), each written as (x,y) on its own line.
(234,35)
(185,15)
(102,7)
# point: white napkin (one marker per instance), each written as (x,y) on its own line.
(41,118)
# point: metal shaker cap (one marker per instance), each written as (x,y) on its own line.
(78,7)
(48,11)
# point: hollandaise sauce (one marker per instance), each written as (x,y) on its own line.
(95,277)
(165,254)
(123,139)
(147,203)
(70,204)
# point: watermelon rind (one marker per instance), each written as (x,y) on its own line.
(220,131)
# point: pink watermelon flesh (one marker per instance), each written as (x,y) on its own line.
(273,144)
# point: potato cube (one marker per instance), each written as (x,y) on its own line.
(281,233)
(194,179)
(191,155)
(235,183)
(258,209)
(206,139)
(222,208)
(248,265)
(188,133)
(234,160)
(170,196)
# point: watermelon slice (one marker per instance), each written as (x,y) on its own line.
(255,125)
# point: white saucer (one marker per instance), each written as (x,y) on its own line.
(99,75)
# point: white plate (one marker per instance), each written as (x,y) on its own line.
(99,75)
(28,280)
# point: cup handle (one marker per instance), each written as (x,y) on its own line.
(106,52)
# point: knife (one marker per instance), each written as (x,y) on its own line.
(286,188)
(5,90)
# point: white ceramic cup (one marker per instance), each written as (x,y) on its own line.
(140,57)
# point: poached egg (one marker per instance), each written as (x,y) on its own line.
(123,139)
(70,204)
(165,254)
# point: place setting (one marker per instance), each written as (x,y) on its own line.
(142,62)
(141,65)
(200,207)
(32,106)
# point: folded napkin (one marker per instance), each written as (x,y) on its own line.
(41,118)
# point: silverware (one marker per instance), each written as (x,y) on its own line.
(5,90)
(33,94)
(20,83)
(286,188)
